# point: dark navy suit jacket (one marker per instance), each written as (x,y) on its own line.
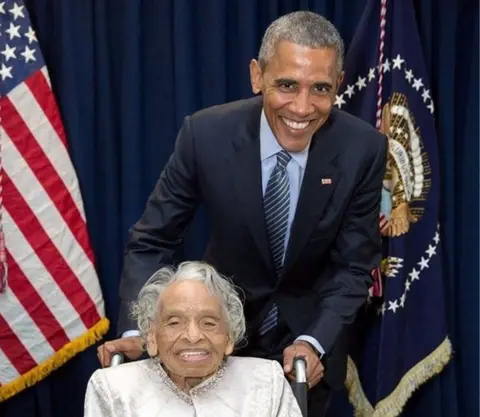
(334,243)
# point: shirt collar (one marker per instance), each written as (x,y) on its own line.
(269,145)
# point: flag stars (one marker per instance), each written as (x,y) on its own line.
(425,95)
(386,65)
(414,275)
(2,7)
(382,309)
(409,75)
(393,305)
(361,83)
(423,264)
(13,31)
(8,52)
(417,83)
(17,11)
(339,101)
(30,34)
(350,91)
(397,62)
(5,72)
(430,107)
(28,54)
(371,74)
(432,250)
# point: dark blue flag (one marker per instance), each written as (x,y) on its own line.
(403,341)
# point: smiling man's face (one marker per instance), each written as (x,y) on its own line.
(299,85)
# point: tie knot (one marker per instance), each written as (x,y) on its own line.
(282,159)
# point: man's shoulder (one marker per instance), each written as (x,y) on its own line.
(227,114)
(355,131)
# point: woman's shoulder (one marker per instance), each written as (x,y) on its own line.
(255,367)
(126,373)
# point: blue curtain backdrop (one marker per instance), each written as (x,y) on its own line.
(126,72)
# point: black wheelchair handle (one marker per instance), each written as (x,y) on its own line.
(300,386)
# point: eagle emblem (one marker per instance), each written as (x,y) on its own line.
(407,177)
(391,266)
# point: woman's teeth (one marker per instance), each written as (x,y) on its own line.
(190,354)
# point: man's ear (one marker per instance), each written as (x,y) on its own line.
(340,81)
(256,76)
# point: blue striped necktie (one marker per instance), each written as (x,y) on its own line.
(276,204)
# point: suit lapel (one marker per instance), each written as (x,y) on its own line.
(245,169)
(319,182)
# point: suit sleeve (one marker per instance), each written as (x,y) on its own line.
(355,253)
(156,239)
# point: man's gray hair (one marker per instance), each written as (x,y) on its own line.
(301,28)
(145,309)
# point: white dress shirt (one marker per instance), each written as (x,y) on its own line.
(269,147)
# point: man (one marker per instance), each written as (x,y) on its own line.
(292,189)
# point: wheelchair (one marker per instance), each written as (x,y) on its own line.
(299,387)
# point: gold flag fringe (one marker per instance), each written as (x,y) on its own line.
(393,405)
(45,368)
(356,395)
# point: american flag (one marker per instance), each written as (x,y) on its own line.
(51,304)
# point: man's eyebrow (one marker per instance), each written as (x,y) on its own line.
(285,81)
(323,84)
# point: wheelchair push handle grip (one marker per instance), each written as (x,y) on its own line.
(300,366)
(300,386)
(117,359)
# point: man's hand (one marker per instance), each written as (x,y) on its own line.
(131,347)
(314,366)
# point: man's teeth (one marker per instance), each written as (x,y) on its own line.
(295,125)
(194,353)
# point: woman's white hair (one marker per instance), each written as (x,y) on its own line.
(145,309)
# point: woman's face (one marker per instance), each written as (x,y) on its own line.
(191,332)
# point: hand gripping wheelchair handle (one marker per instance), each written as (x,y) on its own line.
(300,386)
(117,359)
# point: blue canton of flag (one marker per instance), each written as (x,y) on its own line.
(20,54)
(403,341)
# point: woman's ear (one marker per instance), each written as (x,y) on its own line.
(152,347)
(229,348)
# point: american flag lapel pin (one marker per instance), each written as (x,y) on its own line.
(326,181)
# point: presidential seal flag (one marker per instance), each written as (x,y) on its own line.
(403,341)
(51,305)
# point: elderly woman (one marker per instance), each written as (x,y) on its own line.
(190,320)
